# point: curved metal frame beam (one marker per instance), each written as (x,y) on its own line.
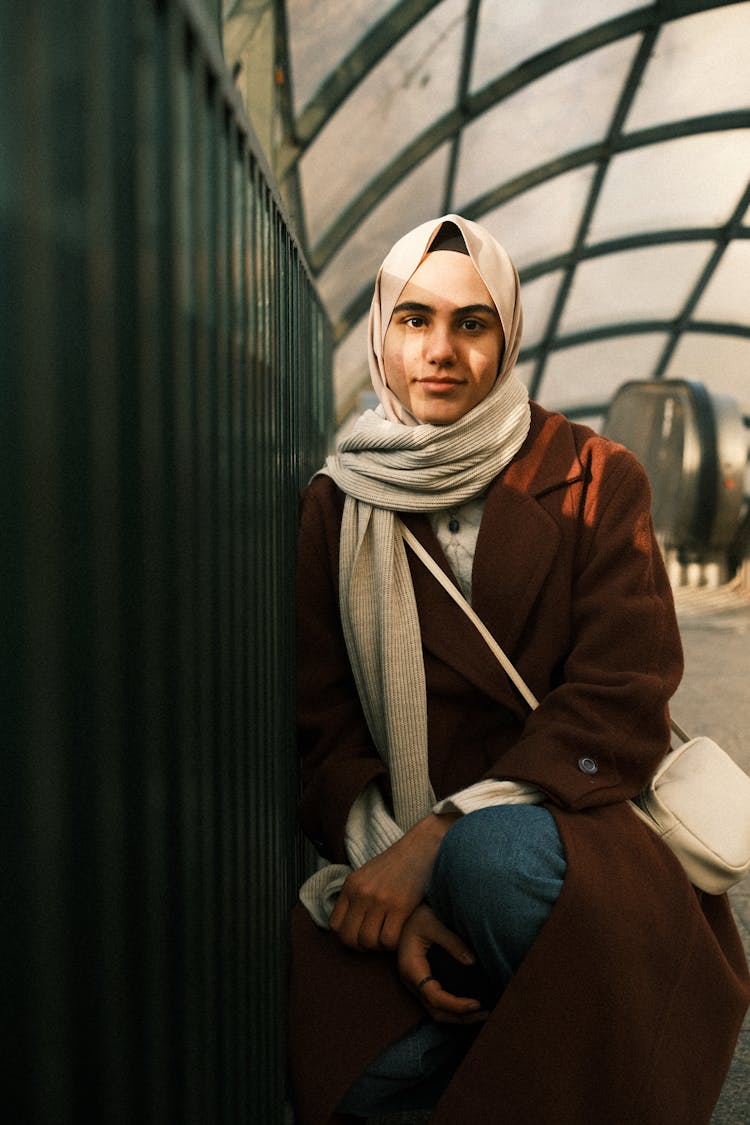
(636,328)
(450,126)
(399,21)
(624,103)
(548,171)
(358,210)
(375,45)
(449,129)
(594,153)
(726,235)
(464,78)
(624,243)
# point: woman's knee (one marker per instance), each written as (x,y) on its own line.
(497,876)
(503,845)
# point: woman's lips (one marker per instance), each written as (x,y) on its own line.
(439,385)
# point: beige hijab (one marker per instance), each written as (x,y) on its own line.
(391,463)
(494,267)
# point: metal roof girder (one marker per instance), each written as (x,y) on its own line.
(400,19)
(724,236)
(598,150)
(640,241)
(443,130)
(467,58)
(373,46)
(380,185)
(622,109)
(636,328)
(352,69)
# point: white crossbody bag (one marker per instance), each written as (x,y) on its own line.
(698,800)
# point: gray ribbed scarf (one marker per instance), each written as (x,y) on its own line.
(386,467)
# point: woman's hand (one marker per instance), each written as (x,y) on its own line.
(378,898)
(423,930)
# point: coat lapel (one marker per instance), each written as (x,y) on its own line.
(502,590)
(517,544)
(516,547)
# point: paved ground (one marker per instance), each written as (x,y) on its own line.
(714,699)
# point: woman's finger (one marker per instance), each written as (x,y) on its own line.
(444,1006)
(451,943)
(370,935)
(347,922)
(339,912)
(391,931)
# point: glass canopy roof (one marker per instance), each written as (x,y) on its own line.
(606,144)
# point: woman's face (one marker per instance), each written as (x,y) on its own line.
(444,342)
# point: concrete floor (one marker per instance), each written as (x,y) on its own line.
(713,699)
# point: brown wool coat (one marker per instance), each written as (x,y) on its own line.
(627,1008)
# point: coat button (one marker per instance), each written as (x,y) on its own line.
(588,765)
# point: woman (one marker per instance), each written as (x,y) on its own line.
(497,936)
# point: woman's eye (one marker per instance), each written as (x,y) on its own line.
(472,325)
(415,321)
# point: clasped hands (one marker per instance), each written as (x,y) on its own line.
(381,907)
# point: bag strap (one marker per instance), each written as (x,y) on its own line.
(460,600)
(489,640)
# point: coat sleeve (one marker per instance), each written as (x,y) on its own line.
(338,757)
(601,730)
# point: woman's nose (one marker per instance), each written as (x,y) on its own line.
(440,346)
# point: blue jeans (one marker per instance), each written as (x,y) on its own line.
(495,880)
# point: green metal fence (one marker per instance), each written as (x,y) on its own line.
(164,394)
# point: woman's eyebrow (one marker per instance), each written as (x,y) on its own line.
(488,310)
(413,307)
(465,310)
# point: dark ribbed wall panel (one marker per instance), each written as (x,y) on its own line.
(164,395)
